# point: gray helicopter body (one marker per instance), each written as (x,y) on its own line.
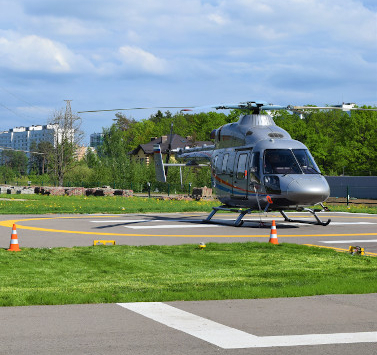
(256,164)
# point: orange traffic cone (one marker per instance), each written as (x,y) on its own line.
(273,235)
(14,240)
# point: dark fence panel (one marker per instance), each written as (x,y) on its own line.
(353,186)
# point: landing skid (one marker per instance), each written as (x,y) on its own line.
(243,211)
(238,222)
(313,212)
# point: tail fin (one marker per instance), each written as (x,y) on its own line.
(158,163)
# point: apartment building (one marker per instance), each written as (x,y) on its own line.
(21,138)
(96,139)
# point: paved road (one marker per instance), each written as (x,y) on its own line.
(212,327)
(177,228)
(215,327)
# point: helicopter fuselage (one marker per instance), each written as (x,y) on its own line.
(256,164)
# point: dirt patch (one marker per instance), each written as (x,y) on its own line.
(12,199)
(354,201)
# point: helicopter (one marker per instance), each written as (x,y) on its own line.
(256,165)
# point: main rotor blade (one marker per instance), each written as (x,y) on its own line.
(294,108)
(247,105)
(135,108)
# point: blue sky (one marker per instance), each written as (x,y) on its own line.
(105,54)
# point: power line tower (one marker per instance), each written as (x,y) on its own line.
(68,123)
(67,137)
(68,114)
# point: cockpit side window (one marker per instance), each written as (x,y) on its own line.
(280,161)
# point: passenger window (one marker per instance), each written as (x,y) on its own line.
(219,164)
(225,163)
(241,167)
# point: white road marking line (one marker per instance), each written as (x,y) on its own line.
(121,221)
(346,223)
(255,220)
(282,222)
(170,226)
(205,329)
(349,241)
(144,220)
(350,213)
(231,338)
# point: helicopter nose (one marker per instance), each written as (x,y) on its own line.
(308,190)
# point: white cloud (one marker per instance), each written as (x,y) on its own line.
(136,59)
(123,52)
(217,19)
(33,53)
(333,21)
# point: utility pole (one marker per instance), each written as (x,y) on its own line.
(68,117)
(68,107)
(68,135)
(68,131)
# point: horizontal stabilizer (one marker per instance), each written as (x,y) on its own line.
(158,163)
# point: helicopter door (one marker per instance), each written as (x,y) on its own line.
(254,172)
(223,174)
(241,177)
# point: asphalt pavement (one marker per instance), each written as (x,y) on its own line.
(345,229)
(333,324)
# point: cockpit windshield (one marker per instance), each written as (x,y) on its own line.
(287,161)
(306,161)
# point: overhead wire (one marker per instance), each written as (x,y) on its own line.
(23,116)
(18,98)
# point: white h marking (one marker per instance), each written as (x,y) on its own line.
(230,338)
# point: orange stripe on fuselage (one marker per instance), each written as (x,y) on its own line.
(236,187)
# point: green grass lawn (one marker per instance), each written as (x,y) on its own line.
(165,273)
(41,204)
(102,274)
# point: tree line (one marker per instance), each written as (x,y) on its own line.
(341,143)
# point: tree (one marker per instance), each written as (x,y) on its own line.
(123,122)
(79,174)
(38,161)
(15,160)
(338,141)
(67,137)
(33,159)
(91,158)
(114,157)
(6,173)
(44,148)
